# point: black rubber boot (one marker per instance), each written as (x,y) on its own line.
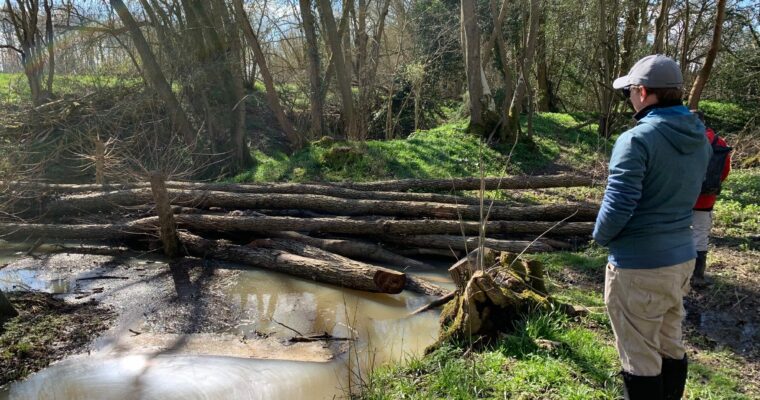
(674,374)
(642,387)
(698,277)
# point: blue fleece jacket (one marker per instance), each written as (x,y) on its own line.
(656,172)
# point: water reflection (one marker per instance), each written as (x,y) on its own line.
(277,306)
(178,377)
(32,280)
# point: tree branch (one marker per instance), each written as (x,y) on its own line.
(14,48)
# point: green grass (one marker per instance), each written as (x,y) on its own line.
(438,153)
(557,140)
(724,117)
(737,210)
(446,151)
(14,87)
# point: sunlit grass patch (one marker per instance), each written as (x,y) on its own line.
(447,151)
(737,210)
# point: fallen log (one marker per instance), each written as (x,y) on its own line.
(469,243)
(355,249)
(474,183)
(340,189)
(348,275)
(414,284)
(216,223)
(53,232)
(220,223)
(103,202)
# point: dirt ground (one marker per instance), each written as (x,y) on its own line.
(722,314)
(46,330)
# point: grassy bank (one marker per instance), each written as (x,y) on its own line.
(559,144)
(553,357)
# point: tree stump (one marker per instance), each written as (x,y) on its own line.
(494,298)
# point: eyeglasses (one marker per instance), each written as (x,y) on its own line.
(627,90)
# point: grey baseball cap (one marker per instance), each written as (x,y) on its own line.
(655,71)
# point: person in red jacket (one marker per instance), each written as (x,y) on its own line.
(702,217)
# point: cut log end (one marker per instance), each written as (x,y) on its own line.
(389,281)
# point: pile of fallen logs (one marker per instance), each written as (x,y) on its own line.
(316,231)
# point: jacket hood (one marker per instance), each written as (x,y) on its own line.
(682,129)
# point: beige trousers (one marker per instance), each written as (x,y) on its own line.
(646,310)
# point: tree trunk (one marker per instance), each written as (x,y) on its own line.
(154,75)
(240,150)
(469,243)
(49,36)
(606,56)
(370,227)
(168,230)
(661,28)
(356,249)
(501,49)
(265,224)
(390,190)
(704,73)
(545,101)
(24,22)
(367,63)
(685,40)
(344,274)
(526,64)
(632,25)
(71,205)
(295,141)
(471,46)
(305,250)
(490,183)
(316,106)
(341,70)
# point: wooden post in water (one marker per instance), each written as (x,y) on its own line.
(168,230)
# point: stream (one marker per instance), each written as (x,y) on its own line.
(250,359)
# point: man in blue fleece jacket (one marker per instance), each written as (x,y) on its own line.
(655,175)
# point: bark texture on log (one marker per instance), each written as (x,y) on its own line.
(469,243)
(217,223)
(355,249)
(414,284)
(473,183)
(205,199)
(353,276)
(339,189)
(168,230)
(375,227)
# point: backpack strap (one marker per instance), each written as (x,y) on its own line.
(715,139)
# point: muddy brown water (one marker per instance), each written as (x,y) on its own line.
(241,349)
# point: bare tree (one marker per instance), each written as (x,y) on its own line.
(661,28)
(24,19)
(473,67)
(341,70)
(526,64)
(311,48)
(153,73)
(704,73)
(295,140)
